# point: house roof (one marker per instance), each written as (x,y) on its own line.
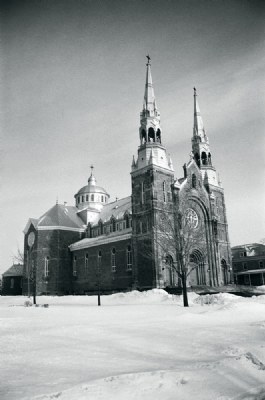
(61,216)
(241,246)
(15,270)
(117,209)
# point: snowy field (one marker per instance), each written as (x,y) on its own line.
(136,346)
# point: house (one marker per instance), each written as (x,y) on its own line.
(248,262)
(12,280)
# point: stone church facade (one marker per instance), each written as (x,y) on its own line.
(117,246)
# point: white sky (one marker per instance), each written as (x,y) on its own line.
(72,89)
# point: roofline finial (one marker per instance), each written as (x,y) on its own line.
(195,91)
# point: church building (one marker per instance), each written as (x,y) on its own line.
(126,244)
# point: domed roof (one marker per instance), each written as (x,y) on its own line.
(92,187)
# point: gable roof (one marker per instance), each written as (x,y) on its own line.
(15,270)
(31,221)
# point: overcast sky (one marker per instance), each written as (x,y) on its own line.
(73,75)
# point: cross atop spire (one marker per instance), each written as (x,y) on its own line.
(148,59)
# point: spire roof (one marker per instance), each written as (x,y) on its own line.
(149,96)
(198,127)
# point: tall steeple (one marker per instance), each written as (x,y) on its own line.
(149,96)
(201,148)
(151,151)
(200,141)
(198,127)
(149,130)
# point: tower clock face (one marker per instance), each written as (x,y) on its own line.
(191,218)
(31,239)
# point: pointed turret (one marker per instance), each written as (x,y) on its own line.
(133,162)
(150,130)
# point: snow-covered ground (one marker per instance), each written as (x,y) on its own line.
(136,346)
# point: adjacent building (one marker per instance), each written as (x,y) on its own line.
(12,280)
(249,264)
(115,246)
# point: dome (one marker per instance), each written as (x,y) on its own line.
(91,189)
(91,195)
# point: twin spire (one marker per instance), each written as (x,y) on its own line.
(150,130)
(150,116)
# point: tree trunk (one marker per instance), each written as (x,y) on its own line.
(184,291)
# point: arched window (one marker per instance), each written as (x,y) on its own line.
(87,197)
(127,221)
(169,270)
(92,197)
(86,263)
(224,271)
(197,263)
(83,199)
(102,199)
(164,191)
(129,257)
(113,225)
(197,159)
(142,192)
(100,225)
(143,136)
(204,158)
(46,266)
(209,159)
(99,258)
(74,266)
(151,135)
(158,136)
(193,181)
(113,259)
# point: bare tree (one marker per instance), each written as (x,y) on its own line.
(19,256)
(177,238)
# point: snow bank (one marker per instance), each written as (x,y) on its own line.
(138,345)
